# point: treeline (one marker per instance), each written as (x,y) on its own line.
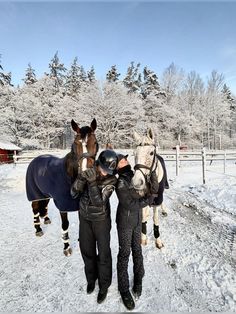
(180,107)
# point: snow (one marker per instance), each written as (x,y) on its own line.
(8,146)
(195,271)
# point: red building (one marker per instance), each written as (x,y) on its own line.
(7,151)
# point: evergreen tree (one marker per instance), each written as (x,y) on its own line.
(30,77)
(112,75)
(150,84)
(91,75)
(132,80)
(73,79)
(83,76)
(56,71)
(5,78)
(228,95)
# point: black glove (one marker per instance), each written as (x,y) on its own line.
(89,174)
(77,187)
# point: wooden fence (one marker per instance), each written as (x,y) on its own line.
(178,156)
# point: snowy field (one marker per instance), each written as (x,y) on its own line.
(195,271)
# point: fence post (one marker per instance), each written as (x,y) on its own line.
(14,157)
(204,165)
(177,160)
(224,161)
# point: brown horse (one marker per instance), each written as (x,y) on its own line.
(52,177)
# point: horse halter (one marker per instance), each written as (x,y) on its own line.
(83,155)
(151,169)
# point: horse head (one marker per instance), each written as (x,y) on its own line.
(145,161)
(84,148)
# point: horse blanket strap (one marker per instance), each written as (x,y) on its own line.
(46,177)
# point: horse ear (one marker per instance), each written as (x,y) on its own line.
(150,134)
(93,124)
(137,137)
(75,126)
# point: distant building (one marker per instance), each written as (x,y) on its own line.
(7,150)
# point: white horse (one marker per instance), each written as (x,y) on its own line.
(148,163)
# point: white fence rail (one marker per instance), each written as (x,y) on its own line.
(178,156)
(202,156)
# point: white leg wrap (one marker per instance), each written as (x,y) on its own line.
(64,231)
(36,215)
(159,243)
(144,239)
(66,240)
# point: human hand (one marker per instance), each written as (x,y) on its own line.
(89,174)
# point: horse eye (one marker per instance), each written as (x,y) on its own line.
(151,153)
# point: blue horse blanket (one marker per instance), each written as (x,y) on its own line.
(46,177)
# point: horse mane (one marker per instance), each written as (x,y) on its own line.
(71,165)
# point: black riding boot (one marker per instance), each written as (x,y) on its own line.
(127,300)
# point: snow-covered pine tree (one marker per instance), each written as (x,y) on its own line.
(30,76)
(5,78)
(83,75)
(153,105)
(73,82)
(133,80)
(57,70)
(112,75)
(91,75)
(150,84)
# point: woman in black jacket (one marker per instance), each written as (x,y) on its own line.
(97,185)
(129,226)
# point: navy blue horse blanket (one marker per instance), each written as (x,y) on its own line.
(46,177)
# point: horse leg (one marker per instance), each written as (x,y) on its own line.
(164,210)
(35,206)
(145,215)
(158,241)
(65,235)
(43,211)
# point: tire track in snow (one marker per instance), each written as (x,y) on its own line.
(200,249)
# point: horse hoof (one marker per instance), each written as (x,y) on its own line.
(68,251)
(47,221)
(164,214)
(144,242)
(39,233)
(159,245)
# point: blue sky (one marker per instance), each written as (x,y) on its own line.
(198,36)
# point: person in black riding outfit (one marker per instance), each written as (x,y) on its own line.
(129,225)
(95,188)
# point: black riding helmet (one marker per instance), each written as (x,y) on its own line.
(108,160)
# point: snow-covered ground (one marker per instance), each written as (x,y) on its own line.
(195,271)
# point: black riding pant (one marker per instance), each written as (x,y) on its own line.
(129,239)
(94,239)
